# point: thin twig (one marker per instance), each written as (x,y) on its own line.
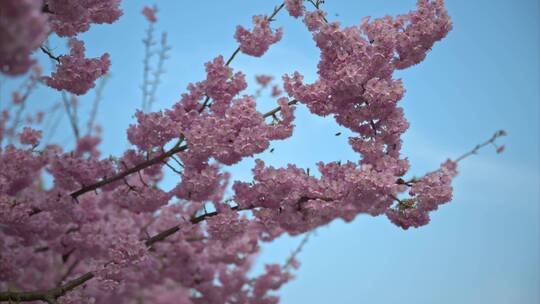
(294,254)
(71,115)
(97,100)
(148,42)
(172,168)
(158,72)
(233,55)
(496,135)
(29,86)
(48,52)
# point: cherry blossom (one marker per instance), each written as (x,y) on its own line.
(67,18)
(75,73)
(150,14)
(295,7)
(23,28)
(257,41)
(79,227)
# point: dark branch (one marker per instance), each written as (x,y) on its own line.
(153,161)
(194,220)
(150,162)
(277,109)
(49,53)
(48,296)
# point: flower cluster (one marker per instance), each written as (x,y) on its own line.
(152,130)
(221,85)
(67,18)
(420,30)
(240,132)
(295,8)
(427,194)
(75,73)
(315,19)
(263,80)
(22,30)
(30,136)
(110,222)
(150,14)
(355,75)
(25,25)
(257,42)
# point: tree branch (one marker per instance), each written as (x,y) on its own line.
(177,148)
(95,105)
(496,135)
(48,52)
(194,220)
(173,150)
(277,109)
(72,115)
(49,295)
(150,162)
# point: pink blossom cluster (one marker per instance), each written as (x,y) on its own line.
(109,221)
(75,73)
(257,41)
(232,128)
(23,28)
(30,136)
(200,183)
(290,200)
(420,29)
(152,130)
(355,82)
(150,14)
(276,91)
(315,19)
(26,24)
(427,194)
(67,18)
(263,80)
(295,7)
(221,84)
(241,131)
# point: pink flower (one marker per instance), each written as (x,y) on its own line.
(16,98)
(314,20)
(111,216)
(257,42)
(221,84)
(75,73)
(23,28)
(276,91)
(199,184)
(19,169)
(149,13)
(30,136)
(295,7)
(67,17)
(421,29)
(263,80)
(153,130)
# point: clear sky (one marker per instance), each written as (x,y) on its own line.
(483,247)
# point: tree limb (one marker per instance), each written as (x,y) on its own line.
(49,295)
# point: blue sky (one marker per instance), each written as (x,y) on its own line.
(483,247)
